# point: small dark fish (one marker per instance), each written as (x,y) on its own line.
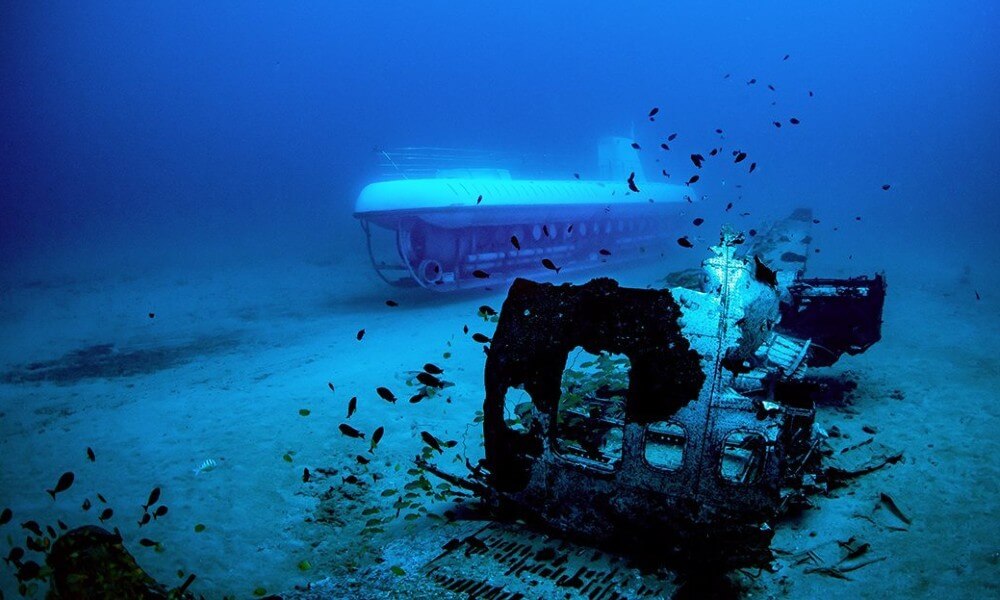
(154,497)
(770,87)
(978,297)
(664,171)
(693,179)
(305,475)
(604,252)
(51,531)
(810,93)
(160,511)
(429,380)
(777,124)
(350,431)
(431,441)
(515,243)
(751,82)
(548,264)
(794,121)
(6,516)
(65,480)
(482,339)
(753,166)
(653,111)
(485,310)
(28,571)
(352,405)
(385,394)
(34,545)
(570,228)
(697,159)
(718,131)
(351,479)
(664,146)
(148,543)
(152,315)
(106,514)
(391,303)
(90,454)
(752,232)
(740,157)
(418,397)
(479,199)
(671,137)
(545,230)
(145,519)
(631,182)
(698,221)
(729,207)
(886,187)
(815,221)
(576,175)
(33,527)
(713,152)
(62,525)
(86,504)
(684,242)
(376,438)
(332,388)
(361,334)
(15,555)
(362,459)
(465,329)
(434,369)
(636,146)
(480,274)
(726,76)
(763,274)
(786,57)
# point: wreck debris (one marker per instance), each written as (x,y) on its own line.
(516,559)
(887,501)
(692,428)
(860,459)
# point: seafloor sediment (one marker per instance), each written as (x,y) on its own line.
(235,366)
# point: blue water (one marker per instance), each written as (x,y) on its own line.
(145,147)
(151,128)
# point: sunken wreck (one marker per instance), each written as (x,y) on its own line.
(693,428)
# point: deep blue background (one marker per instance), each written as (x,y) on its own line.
(187,131)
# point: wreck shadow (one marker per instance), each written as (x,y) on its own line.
(833,391)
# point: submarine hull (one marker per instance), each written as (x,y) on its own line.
(440,235)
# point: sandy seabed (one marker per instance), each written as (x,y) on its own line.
(232,357)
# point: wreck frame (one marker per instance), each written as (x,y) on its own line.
(715,373)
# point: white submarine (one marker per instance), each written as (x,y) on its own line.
(457,227)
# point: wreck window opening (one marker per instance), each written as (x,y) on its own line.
(664,447)
(743,455)
(590,417)
(517,409)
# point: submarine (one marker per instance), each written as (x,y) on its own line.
(442,225)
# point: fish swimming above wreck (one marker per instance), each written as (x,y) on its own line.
(692,429)
(451,226)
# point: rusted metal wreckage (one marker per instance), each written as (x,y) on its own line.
(692,429)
